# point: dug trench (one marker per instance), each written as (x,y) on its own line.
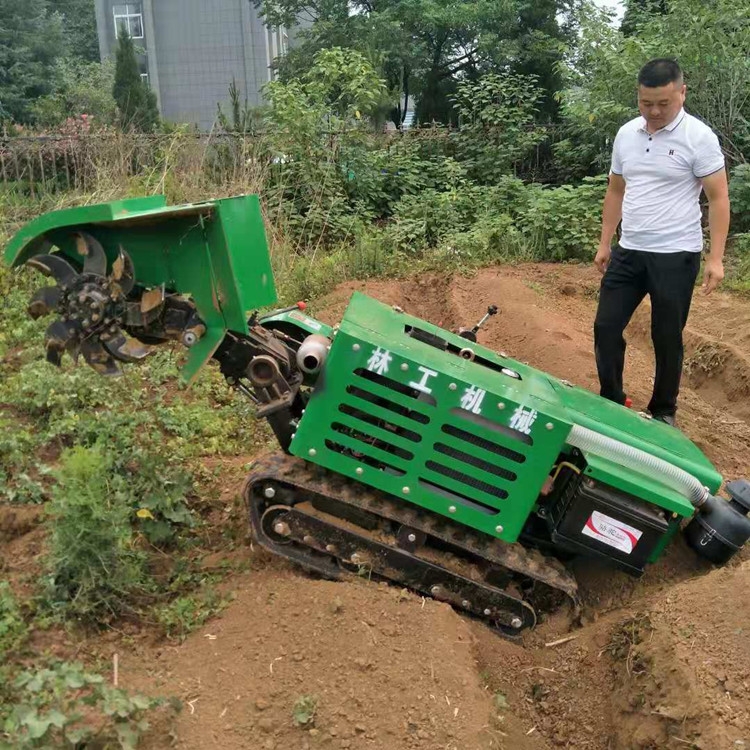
(659,662)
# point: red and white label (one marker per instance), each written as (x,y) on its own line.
(612,532)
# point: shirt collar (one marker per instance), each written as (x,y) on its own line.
(672,125)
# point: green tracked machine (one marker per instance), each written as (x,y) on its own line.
(407,451)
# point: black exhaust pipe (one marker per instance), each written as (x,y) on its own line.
(720,527)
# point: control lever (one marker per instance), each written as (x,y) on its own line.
(471,333)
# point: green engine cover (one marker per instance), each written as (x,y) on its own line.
(471,439)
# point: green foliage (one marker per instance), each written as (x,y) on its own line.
(64,706)
(79,28)
(136,102)
(148,450)
(424,48)
(564,223)
(13,629)
(304,709)
(81,88)
(497,114)
(739,196)
(313,122)
(30,41)
(96,570)
(245,119)
(738,264)
(600,95)
(187,613)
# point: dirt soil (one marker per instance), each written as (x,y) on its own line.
(660,662)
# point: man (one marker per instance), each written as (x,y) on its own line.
(661,162)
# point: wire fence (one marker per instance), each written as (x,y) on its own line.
(49,163)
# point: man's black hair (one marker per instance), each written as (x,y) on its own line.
(659,72)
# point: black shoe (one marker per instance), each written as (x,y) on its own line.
(666,418)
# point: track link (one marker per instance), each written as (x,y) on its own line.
(337,527)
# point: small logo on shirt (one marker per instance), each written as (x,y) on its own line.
(671,152)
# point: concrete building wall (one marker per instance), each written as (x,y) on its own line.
(195,48)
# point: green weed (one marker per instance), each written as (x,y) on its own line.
(304,710)
(65,706)
(13,628)
(187,613)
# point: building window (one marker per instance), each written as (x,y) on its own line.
(144,78)
(129,18)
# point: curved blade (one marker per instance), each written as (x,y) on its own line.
(44,301)
(126,349)
(98,357)
(123,273)
(95,258)
(55,266)
(57,338)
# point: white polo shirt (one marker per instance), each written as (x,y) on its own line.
(662,172)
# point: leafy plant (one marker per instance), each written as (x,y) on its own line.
(303,712)
(563,223)
(13,629)
(187,613)
(65,706)
(497,116)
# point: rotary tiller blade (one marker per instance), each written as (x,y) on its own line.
(126,349)
(95,260)
(123,273)
(98,357)
(44,301)
(55,266)
(57,338)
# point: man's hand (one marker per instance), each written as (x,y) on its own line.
(601,261)
(712,274)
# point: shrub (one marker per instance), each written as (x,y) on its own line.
(564,223)
(96,571)
(739,195)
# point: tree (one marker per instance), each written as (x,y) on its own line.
(79,28)
(136,102)
(710,42)
(425,48)
(637,10)
(81,88)
(31,40)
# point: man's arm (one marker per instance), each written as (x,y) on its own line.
(717,192)
(611,215)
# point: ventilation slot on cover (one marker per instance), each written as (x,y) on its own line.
(384,403)
(362,459)
(394,385)
(466,479)
(458,498)
(478,463)
(480,442)
(376,422)
(366,439)
(488,424)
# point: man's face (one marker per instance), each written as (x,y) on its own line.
(660,105)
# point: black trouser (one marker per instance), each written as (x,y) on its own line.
(669,279)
